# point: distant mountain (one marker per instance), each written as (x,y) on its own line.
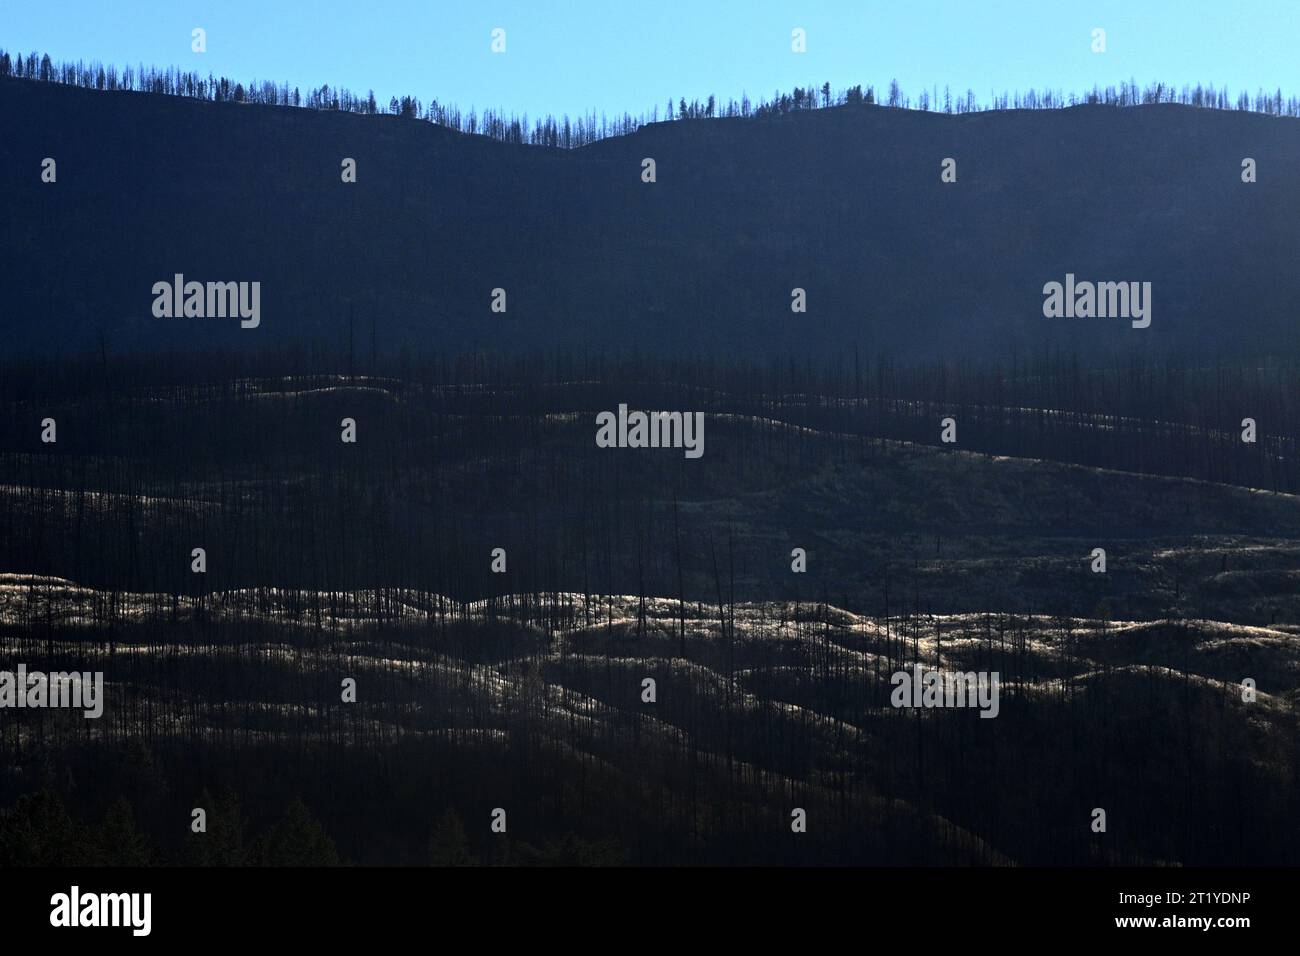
(846,203)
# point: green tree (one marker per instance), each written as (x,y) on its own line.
(120,843)
(448,845)
(223,842)
(38,831)
(572,850)
(297,840)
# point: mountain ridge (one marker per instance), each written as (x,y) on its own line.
(844,202)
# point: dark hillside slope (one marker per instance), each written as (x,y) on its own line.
(846,203)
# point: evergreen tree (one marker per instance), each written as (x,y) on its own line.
(297,840)
(120,843)
(223,842)
(448,845)
(39,832)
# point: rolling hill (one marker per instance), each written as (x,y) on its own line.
(845,203)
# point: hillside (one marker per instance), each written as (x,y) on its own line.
(253,471)
(846,203)
(538,706)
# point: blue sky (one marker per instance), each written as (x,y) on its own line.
(615,55)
